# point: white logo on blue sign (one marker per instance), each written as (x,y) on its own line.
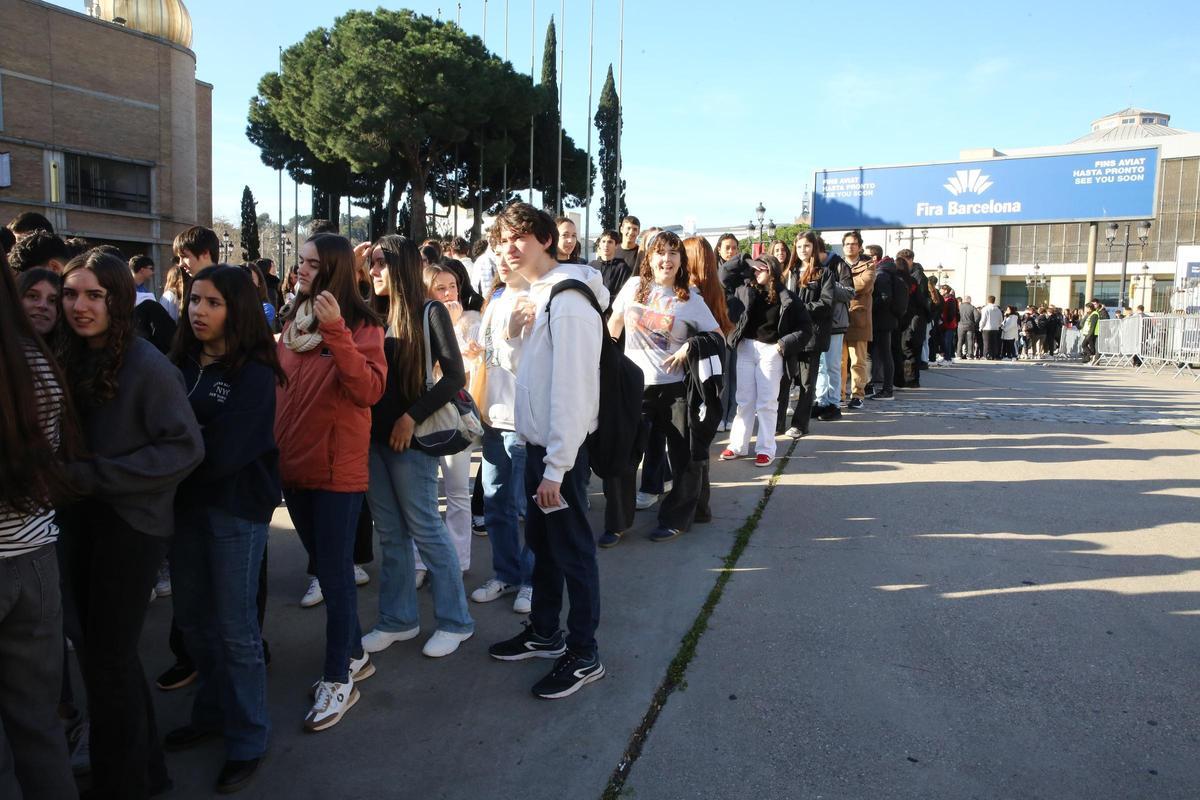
(968,181)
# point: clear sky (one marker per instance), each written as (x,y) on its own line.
(730,103)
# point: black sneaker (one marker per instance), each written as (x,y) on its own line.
(816,411)
(570,674)
(884,394)
(177,677)
(855,403)
(527,644)
(236,775)
(829,413)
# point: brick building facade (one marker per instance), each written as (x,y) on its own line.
(103,127)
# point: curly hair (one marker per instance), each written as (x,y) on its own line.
(661,243)
(94,382)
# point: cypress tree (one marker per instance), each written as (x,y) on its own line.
(546,138)
(608,123)
(250,242)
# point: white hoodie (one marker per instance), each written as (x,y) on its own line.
(558,379)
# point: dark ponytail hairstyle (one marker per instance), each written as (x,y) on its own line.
(247,337)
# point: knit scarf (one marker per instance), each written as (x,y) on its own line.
(294,336)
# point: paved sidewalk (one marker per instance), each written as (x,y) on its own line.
(937,603)
(943,604)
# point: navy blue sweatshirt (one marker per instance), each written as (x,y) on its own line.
(240,471)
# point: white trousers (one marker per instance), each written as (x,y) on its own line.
(759,370)
(456,480)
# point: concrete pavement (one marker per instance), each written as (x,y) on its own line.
(936,603)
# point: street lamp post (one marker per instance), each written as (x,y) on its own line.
(1035,282)
(760,213)
(1110,235)
(1141,281)
(226,247)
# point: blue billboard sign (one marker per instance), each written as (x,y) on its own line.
(1076,187)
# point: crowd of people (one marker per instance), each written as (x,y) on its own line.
(148,441)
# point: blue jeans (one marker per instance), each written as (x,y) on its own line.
(215,561)
(949,343)
(564,550)
(326,522)
(503,472)
(829,376)
(404,504)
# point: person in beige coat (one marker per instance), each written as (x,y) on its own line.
(858,335)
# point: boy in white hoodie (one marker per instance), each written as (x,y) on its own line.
(557,406)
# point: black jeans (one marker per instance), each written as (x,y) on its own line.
(364,532)
(991,345)
(564,550)
(810,363)
(883,366)
(112,568)
(664,415)
(33,750)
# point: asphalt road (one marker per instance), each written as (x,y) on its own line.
(987,589)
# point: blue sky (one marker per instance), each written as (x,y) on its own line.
(728,104)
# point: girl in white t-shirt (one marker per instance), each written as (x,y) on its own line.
(658,312)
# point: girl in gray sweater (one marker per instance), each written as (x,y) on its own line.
(141,440)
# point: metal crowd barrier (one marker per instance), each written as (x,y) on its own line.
(1151,343)
(1069,343)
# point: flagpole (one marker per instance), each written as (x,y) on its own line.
(587,212)
(562,53)
(620,115)
(532,73)
(479,213)
(504,180)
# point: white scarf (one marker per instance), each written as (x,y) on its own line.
(294,337)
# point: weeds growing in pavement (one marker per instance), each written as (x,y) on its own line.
(677,669)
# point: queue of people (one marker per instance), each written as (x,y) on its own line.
(168,430)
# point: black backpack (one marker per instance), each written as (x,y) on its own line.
(900,289)
(617,444)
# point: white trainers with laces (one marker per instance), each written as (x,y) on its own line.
(524,602)
(314,596)
(491,590)
(443,643)
(332,702)
(361,578)
(377,641)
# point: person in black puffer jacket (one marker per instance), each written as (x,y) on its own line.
(814,284)
(889,305)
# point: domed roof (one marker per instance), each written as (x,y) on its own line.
(167,19)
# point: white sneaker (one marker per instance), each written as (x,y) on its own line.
(645,501)
(376,641)
(491,590)
(443,643)
(314,596)
(361,668)
(524,602)
(422,574)
(361,578)
(333,700)
(162,586)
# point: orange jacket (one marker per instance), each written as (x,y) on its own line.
(323,414)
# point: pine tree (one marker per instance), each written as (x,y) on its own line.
(546,126)
(249,226)
(608,123)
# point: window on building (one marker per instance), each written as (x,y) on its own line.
(104,183)
(1018,295)
(1160,301)
(1106,292)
